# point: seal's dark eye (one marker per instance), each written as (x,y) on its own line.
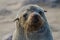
(25,15)
(40,12)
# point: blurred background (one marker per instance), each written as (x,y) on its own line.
(9,9)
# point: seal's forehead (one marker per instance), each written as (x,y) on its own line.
(29,7)
(34,7)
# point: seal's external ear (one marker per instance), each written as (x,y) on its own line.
(16,19)
(45,11)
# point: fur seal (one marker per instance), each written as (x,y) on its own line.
(31,24)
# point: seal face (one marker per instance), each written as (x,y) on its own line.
(31,19)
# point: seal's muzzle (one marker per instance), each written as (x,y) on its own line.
(34,18)
(34,22)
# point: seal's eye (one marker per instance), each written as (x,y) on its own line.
(25,16)
(40,12)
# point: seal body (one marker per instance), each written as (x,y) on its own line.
(31,24)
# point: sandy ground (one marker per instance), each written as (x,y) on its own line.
(8,13)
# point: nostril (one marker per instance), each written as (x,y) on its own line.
(35,16)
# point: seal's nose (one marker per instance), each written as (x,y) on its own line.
(35,17)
